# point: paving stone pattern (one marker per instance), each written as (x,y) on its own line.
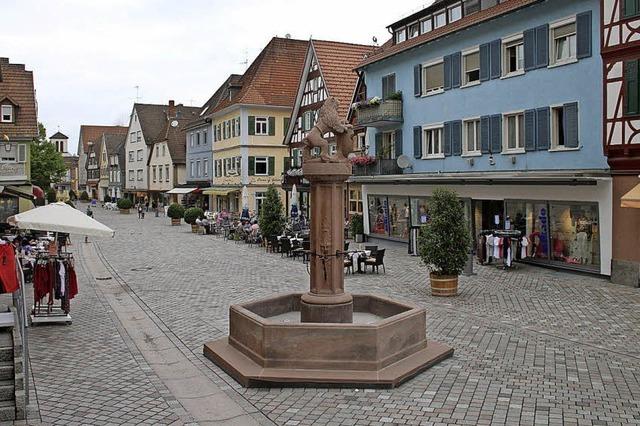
(533,346)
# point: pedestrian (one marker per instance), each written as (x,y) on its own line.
(154,205)
(89,211)
(146,207)
(140,211)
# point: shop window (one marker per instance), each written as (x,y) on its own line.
(471,135)
(471,68)
(432,143)
(514,133)
(401,35)
(378,215)
(564,43)
(433,78)
(419,211)
(399,215)
(531,218)
(426,25)
(513,54)
(574,232)
(414,30)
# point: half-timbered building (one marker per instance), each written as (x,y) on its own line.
(620,38)
(328,72)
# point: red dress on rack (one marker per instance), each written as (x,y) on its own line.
(8,274)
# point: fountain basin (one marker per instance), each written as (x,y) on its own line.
(268,345)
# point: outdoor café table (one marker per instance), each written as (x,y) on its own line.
(357,257)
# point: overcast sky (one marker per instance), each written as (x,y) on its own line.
(88,56)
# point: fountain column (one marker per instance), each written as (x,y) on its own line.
(326,301)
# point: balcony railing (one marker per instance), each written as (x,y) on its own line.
(380,167)
(387,113)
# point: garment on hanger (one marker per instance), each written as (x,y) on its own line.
(524,244)
(8,274)
(489,252)
(497,245)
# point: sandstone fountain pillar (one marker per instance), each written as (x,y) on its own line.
(327,301)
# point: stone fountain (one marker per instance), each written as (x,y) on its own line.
(326,336)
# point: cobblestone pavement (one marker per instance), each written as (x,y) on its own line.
(533,346)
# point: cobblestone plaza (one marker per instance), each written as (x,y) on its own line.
(532,346)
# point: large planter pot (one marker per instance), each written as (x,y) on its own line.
(194,228)
(444,285)
(175,222)
(125,211)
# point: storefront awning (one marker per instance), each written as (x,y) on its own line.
(19,192)
(217,190)
(632,198)
(181,191)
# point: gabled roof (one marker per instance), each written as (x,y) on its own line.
(16,87)
(153,118)
(91,133)
(273,77)
(175,138)
(58,135)
(337,62)
(114,142)
(389,49)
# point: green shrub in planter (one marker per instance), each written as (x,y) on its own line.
(84,196)
(356,225)
(176,211)
(51,195)
(124,204)
(107,198)
(445,240)
(271,218)
(193,213)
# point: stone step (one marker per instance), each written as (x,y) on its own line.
(6,353)
(7,390)
(7,410)
(6,370)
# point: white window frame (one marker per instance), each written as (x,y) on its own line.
(132,137)
(132,175)
(205,167)
(425,145)
(154,173)
(422,24)
(238,126)
(132,156)
(139,174)
(435,18)
(259,121)
(138,136)
(507,43)
(553,62)
(307,121)
(465,142)
(192,169)
(425,66)
(465,83)
(450,10)
(520,148)
(410,35)
(264,160)
(198,168)
(160,173)
(3,112)
(139,155)
(167,171)
(191,139)
(400,35)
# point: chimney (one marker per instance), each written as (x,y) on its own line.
(171,111)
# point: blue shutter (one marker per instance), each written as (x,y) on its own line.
(542,131)
(529,49)
(496,134)
(542,46)
(496,65)
(484,62)
(417,80)
(398,143)
(447,72)
(570,125)
(484,134)
(456,66)
(583,33)
(385,87)
(456,137)
(530,130)
(378,144)
(447,138)
(417,142)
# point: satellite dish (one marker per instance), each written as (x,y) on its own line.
(174,123)
(404,162)
(375,40)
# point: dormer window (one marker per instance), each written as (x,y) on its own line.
(414,30)
(440,19)
(427,25)
(6,114)
(401,35)
(455,13)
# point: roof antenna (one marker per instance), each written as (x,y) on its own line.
(246,60)
(137,93)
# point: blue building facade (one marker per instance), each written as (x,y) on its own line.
(199,156)
(502,102)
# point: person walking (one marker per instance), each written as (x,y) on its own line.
(140,211)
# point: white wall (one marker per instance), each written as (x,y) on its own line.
(143,185)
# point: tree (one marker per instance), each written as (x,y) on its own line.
(47,165)
(271,217)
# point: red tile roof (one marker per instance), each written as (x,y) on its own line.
(16,87)
(389,49)
(153,119)
(337,62)
(176,139)
(273,77)
(91,133)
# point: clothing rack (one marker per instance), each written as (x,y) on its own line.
(51,312)
(512,235)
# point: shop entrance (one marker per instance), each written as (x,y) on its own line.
(485,213)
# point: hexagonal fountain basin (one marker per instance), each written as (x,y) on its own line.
(268,345)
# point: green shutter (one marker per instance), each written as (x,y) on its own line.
(272,126)
(630,8)
(252,166)
(252,125)
(287,120)
(286,164)
(272,164)
(631,87)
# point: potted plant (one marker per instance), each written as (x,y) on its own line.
(271,220)
(124,204)
(84,196)
(444,242)
(191,215)
(175,212)
(357,228)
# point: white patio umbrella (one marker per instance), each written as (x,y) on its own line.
(60,217)
(245,197)
(294,201)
